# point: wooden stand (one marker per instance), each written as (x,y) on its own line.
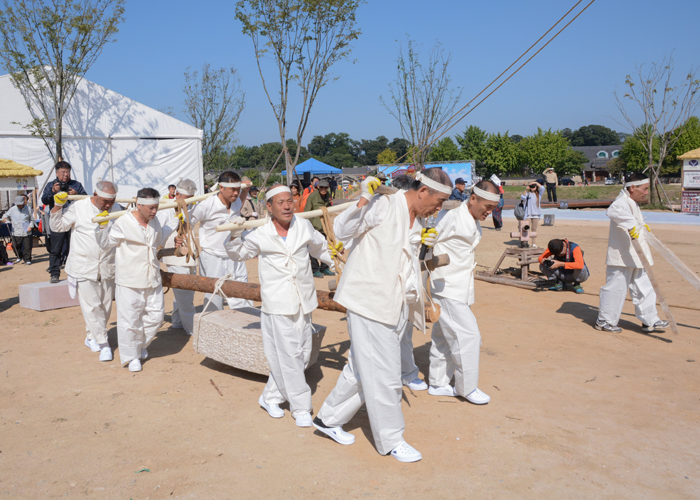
(525,256)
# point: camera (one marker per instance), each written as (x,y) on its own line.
(64,186)
(548,263)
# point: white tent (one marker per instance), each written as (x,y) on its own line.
(106,136)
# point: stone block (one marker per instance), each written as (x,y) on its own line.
(45,296)
(234,338)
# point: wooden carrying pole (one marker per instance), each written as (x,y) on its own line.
(161,206)
(652,278)
(76,197)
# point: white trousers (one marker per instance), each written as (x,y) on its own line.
(212,266)
(287,343)
(95,299)
(183,303)
(612,295)
(409,370)
(372,376)
(139,316)
(455,347)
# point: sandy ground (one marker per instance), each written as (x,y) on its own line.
(574,412)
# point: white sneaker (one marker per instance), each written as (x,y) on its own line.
(144,353)
(135,365)
(92,344)
(106,354)
(304,419)
(446,390)
(417,385)
(477,397)
(272,409)
(337,434)
(406,453)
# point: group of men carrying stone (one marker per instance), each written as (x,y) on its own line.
(382,287)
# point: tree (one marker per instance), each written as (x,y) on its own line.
(445,150)
(593,135)
(421,99)
(472,145)
(517,138)
(689,137)
(665,107)
(571,163)
(366,150)
(305,38)
(400,146)
(214,103)
(500,155)
(386,157)
(543,150)
(47,46)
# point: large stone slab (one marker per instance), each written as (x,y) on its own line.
(45,296)
(234,338)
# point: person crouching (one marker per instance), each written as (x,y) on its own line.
(563,263)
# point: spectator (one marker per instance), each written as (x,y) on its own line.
(565,265)
(249,209)
(533,211)
(22,223)
(497,213)
(382,177)
(458,193)
(59,242)
(551,180)
(319,198)
(334,187)
(296,196)
(170,195)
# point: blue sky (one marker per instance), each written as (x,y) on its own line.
(569,84)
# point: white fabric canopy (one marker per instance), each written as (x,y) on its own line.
(106,136)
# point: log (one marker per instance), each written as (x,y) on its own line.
(506,281)
(161,206)
(240,290)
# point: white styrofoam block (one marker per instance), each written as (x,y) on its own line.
(234,338)
(45,296)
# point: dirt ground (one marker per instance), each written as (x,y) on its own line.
(574,412)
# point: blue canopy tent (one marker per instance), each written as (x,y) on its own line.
(314,167)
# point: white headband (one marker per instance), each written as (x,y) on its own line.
(230,184)
(102,194)
(486,195)
(637,183)
(433,184)
(277,190)
(184,191)
(147,201)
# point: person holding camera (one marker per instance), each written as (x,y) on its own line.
(562,263)
(59,245)
(533,194)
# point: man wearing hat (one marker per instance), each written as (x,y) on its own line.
(22,223)
(248,210)
(321,197)
(551,179)
(382,178)
(458,191)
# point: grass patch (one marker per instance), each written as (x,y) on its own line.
(590,192)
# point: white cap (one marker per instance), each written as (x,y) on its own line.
(495,180)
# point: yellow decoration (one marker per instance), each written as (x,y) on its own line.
(9,168)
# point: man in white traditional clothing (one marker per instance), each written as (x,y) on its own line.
(90,269)
(137,236)
(456,339)
(381,287)
(624,267)
(288,293)
(183,301)
(213,262)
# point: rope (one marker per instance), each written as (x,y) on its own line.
(217,291)
(330,238)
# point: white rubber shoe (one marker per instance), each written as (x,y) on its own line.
(106,354)
(337,434)
(417,385)
(135,365)
(477,397)
(144,353)
(446,390)
(272,409)
(406,453)
(304,419)
(92,344)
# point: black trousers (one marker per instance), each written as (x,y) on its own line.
(552,192)
(58,252)
(24,247)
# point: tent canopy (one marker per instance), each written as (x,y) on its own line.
(105,136)
(314,167)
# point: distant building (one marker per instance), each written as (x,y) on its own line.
(596,169)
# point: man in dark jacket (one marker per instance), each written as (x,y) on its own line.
(458,193)
(321,197)
(59,244)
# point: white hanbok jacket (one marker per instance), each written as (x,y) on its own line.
(137,265)
(284,269)
(86,260)
(624,214)
(166,217)
(211,213)
(458,236)
(382,274)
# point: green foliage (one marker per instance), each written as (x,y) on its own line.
(543,150)
(445,150)
(592,135)
(335,150)
(472,144)
(689,138)
(617,166)
(571,163)
(500,155)
(635,155)
(386,157)
(47,46)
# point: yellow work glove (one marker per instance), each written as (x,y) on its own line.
(648,228)
(368,186)
(181,217)
(634,233)
(103,214)
(428,237)
(60,198)
(335,250)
